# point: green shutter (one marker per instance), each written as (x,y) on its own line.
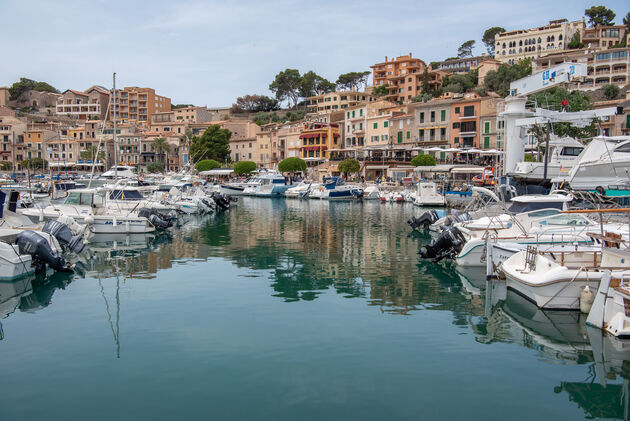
(352,113)
(408,135)
(386,124)
(375,125)
(487,127)
(361,111)
(628,121)
(442,155)
(443,115)
(400,137)
(486,142)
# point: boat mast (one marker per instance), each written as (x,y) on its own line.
(115,147)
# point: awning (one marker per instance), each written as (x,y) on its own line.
(434,149)
(491,152)
(217,171)
(435,168)
(61,164)
(466,170)
(315,148)
(376,167)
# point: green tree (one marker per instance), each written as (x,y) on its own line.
(423,160)
(380,90)
(155,167)
(466,49)
(460,82)
(313,84)
(575,42)
(286,86)
(426,82)
(626,21)
(207,165)
(600,15)
(35,163)
(24,85)
(244,167)
(5,165)
(89,153)
(552,99)
(488,38)
(499,80)
(610,90)
(349,166)
(292,164)
(353,81)
(254,104)
(161,148)
(214,143)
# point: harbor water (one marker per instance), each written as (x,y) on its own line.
(293,310)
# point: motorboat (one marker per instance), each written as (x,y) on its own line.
(300,190)
(564,153)
(427,195)
(235,188)
(335,188)
(392,197)
(88,206)
(604,162)
(119,171)
(610,308)
(371,192)
(551,285)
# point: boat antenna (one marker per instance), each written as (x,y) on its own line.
(115,146)
(98,147)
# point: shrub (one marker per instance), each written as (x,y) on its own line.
(292,164)
(244,167)
(423,161)
(154,167)
(611,91)
(207,164)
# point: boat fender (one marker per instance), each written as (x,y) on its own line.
(586,300)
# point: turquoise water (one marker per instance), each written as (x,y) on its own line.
(285,310)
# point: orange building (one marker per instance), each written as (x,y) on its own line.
(318,138)
(403,77)
(135,104)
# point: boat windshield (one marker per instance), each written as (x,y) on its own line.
(125,195)
(79,199)
(566,219)
(520,207)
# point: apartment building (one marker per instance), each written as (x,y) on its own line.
(87,105)
(12,132)
(289,142)
(355,124)
(432,122)
(335,101)
(243,146)
(468,112)
(138,104)
(264,140)
(401,130)
(192,114)
(318,138)
(602,37)
(513,46)
(604,66)
(403,77)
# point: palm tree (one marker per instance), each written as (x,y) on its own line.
(161,147)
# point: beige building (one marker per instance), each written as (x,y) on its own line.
(602,37)
(604,66)
(335,101)
(192,114)
(138,104)
(88,105)
(4,96)
(243,145)
(12,140)
(432,122)
(513,46)
(289,141)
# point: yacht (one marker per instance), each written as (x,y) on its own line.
(564,154)
(604,163)
(120,171)
(371,192)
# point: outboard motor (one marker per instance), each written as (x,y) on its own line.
(156,219)
(209,203)
(424,220)
(63,234)
(222,201)
(448,244)
(30,242)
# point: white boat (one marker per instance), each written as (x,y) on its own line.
(564,154)
(604,162)
(300,190)
(427,195)
(552,286)
(235,188)
(120,171)
(392,197)
(611,308)
(87,206)
(371,192)
(334,188)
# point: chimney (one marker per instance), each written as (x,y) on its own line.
(385,59)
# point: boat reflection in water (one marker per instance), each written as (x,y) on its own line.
(11,292)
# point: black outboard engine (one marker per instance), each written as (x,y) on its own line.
(222,201)
(448,244)
(30,242)
(209,203)
(63,234)
(424,220)
(156,219)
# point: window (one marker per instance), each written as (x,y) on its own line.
(420,135)
(384,137)
(469,111)
(456,110)
(360,126)
(486,127)
(360,111)
(352,113)
(432,116)
(250,145)
(408,135)
(348,114)
(400,137)
(443,133)
(468,126)
(486,142)
(421,117)
(431,134)
(443,115)
(386,123)
(571,151)
(375,125)
(456,125)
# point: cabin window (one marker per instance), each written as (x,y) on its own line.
(572,151)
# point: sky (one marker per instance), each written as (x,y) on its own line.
(210,52)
